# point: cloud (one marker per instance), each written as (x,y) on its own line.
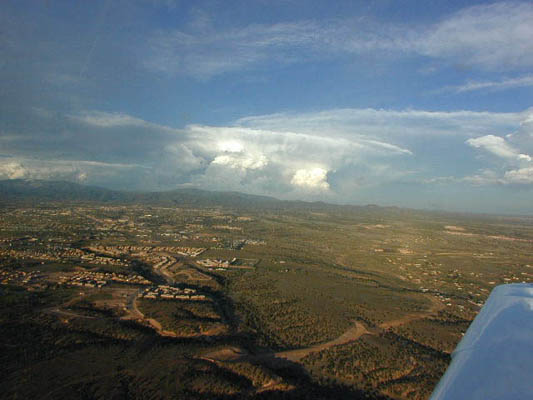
(279,142)
(165,3)
(497,146)
(440,180)
(283,161)
(207,53)
(146,155)
(371,125)
(483,177)
(313,178)
(515,146)
(74,170)
(513,149)
(417,133)
(523,81)
(241,161)
(492,37)
(333,153)
(108,120)
(93,136)
(522,137)
(12,170)
(152,156)
(520,176)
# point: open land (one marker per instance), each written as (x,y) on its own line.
(142,301)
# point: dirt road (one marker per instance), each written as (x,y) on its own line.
(355,332)
(352,334)
(435,307)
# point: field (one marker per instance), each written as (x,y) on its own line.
(112,301)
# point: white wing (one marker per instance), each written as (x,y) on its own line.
(494,360)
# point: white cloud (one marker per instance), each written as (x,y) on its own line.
(208,53)
(440,180)
(514,147)
(75,170)
(312,178)
(522,137)
(290,155)
(231,146)
(12,170)
(397,132)
(374,125)
(523,81)
(101,119)
(497,146)
(520,176)
(108,120)
(513,150)
(286,163)
(496,36)
(280,144)
(211,52)
(152,156)
(285,146)
(245,161)
(483,177)
(166,3)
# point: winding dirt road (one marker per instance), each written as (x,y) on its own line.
(135,314)
(435,307)
(352,334)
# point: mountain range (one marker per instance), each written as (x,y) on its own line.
(21,190)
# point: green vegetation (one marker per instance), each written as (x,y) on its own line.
(388,363)
(441,333)
(184,318)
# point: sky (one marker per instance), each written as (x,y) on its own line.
(414,104)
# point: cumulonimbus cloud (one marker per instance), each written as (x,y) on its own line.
(288,155)
(243,158)
(312,178)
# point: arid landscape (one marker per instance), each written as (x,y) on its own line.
(153,301)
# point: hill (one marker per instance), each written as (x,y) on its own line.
(20,190)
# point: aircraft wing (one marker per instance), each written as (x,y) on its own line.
(494,360)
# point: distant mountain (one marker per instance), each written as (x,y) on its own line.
(20,190)
(197,197)
(31,192)
(38,190)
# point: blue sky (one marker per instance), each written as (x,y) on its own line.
(386,102)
